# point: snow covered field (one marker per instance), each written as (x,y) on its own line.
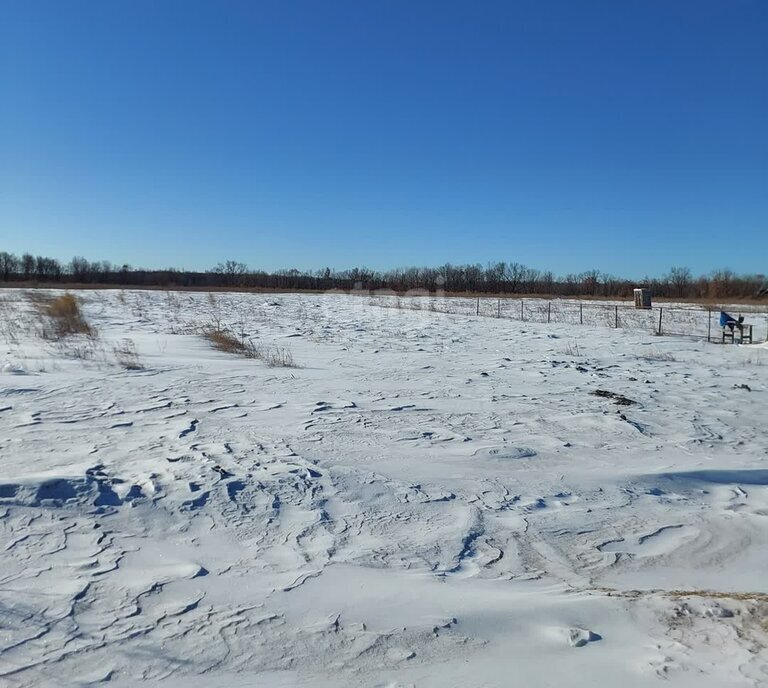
(428,500)
(683,319)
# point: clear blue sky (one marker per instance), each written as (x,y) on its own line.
(622,135)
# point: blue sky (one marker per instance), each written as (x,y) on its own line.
(622,135)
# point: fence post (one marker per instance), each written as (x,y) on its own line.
(522,312)
(477,312)
(617,316)
(709,324)
(498,309)
(549,311)
(661,310)
(581,313)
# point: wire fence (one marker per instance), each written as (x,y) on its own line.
(686,320)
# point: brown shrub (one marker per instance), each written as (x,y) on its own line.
(63,315)
(224,340)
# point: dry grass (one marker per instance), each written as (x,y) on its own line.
(280,357)
(224,340)
(227,341)
(720,595)
(572,350)
(713,594)
(61,316)
(11,324)
(756,360)
(658,356)
(127,355)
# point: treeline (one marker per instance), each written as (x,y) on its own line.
(494,278)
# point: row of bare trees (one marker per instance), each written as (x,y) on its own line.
(494,278)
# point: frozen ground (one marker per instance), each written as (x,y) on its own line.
(684,319)
(429,500)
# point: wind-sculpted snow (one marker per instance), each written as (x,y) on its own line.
(428,499)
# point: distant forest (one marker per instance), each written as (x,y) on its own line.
(494,278)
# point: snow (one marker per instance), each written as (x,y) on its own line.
(430,499)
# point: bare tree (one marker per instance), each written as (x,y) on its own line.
(232,271)
(680,280)
(9,264)
(47,268)
(79,268)
(28,266)
(590,281)
(516,277)
(497,276)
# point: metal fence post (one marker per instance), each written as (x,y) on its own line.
(617,316)
(709,324)
(581,313)
(549,311)
(522,312)
(498,309)
(661,310)
(477,312)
